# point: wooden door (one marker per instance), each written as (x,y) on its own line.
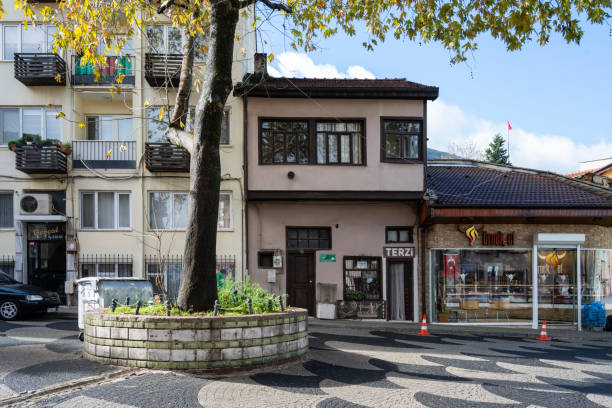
(409,290)
(301,280)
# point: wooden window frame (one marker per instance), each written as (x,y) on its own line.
(398,229)
(369,259)
(383,138)
(312,141)
(330,246)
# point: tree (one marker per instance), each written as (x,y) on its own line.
(466,150)
(456,25)
(496,152)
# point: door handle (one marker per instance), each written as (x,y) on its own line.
(309,281)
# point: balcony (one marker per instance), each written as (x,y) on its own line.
(114,67)
(35,69)
(163,70)
(40,159)
(166,157)
(103,154)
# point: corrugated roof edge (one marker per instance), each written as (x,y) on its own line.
(603,191)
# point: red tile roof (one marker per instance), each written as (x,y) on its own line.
(508,187)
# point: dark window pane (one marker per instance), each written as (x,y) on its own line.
(313,243)
(324,233)
(291,148)
(266,147)
(303,148)
(411,147)
(393,147)
(292,234)
(332,146)
(313,233)
(391,236)
(324,244)
(303,243)
(292,243)
(404,236)
(279,147)
(303,233)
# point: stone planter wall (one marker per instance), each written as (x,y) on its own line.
(195,342)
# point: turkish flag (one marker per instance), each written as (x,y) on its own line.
(509,127)
(451,265)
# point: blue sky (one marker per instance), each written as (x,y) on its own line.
(558,98)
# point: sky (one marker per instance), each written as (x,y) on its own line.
(557,98)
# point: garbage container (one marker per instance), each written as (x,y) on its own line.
(98,293)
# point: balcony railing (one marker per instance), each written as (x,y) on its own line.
(163,70)
(166,157)
(40,69)
(40,159)
(114,67)
(103,154)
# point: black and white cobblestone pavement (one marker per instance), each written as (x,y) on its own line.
(344,368)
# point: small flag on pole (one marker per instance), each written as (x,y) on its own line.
(509,127)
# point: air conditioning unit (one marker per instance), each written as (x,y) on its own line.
(35,204)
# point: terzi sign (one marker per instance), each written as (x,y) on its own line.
(499,238)
(398,252)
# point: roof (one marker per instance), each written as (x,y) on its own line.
(597,171)
(476,184)
(388,88)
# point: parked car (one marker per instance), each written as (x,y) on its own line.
(18,299)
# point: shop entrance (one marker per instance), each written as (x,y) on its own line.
(557,285)
(301,280)
(47,256)
(400,289)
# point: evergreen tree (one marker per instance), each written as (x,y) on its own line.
(496,152)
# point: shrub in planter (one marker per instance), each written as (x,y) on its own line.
(66,148)
(13,144)
(357,295)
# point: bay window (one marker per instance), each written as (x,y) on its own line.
(401,140)
(105,210)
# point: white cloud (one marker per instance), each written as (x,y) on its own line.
(449,123)
(297,65)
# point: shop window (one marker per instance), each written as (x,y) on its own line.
(105,210)
(401,140)
(362,278)
(168,210)
(6,210)
(398,235)
(596,272)
(265,259)
(309,238)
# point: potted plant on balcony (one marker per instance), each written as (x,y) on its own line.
(13,144)
(66,148)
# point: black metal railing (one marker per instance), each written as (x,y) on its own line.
(40,68)
(166,157)
(163,70)
(115,67)
(104,154)
(37,158)
(7,264)
(105,265)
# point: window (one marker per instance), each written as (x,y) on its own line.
(309,238)
(339,143)
(107,266)
(401,140)
(265,259)
(6,210)
(113,127)
(307,141)
(165,39)
(362,278)
(398,234)
(105,210)
(157,128)
(34,122)
(168,210)
(16,38)
(225,212)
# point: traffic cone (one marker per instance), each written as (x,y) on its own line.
(543,335)
(424,331)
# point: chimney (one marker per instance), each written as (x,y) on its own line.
(261,64)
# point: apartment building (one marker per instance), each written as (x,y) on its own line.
(115,203)
(335,175)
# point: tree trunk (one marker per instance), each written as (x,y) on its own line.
(198,289)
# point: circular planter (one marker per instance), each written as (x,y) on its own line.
(196,343)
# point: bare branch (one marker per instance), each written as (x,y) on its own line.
(164,6)
(180,138)
(272,5)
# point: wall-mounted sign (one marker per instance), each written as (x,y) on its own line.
(46,232)
(499,238)
(398,252)
(327,257)
(277,261)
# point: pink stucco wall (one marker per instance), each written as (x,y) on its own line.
(376,176)
(361,231)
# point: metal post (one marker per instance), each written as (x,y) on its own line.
(114,305)
(534,288)
(216,309)
(579,277)
(280,301)
(127,301)
(250,304)
(269,305)
(137,307)
(167,305)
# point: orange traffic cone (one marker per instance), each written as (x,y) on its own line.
(543,335)
(424,331)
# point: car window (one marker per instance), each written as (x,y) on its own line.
(4,278)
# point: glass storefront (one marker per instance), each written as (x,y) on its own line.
(596,272)
(557,286)
(478,286)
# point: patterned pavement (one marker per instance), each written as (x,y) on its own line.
(344,368)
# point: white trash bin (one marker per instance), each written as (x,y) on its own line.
(97,293)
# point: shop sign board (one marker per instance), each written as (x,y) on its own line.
(398,252)
(46,232)
(499,238)
(327,257)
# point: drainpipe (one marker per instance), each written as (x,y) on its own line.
(423,245)
(245,170)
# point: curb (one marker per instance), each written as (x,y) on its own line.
(477,331)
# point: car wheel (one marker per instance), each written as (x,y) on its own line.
(9,310)
(81,336)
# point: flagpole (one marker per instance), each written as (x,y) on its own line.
(508,139)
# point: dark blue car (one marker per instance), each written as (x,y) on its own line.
(18,299)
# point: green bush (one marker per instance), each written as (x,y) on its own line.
(354,295)
(234,294)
